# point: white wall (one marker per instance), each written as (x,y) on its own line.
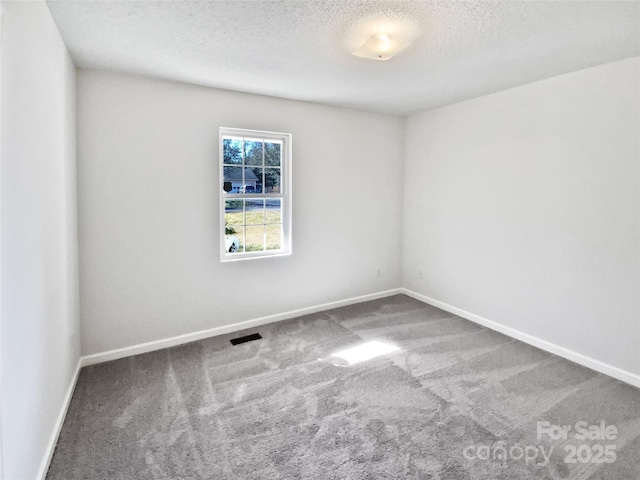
(39,242)
(149,198)
(523,207)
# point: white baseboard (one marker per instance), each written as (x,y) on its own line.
(212,332)
(584,360)
(53,439)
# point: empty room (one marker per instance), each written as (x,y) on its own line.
(324,240)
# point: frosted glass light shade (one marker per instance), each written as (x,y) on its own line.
(381,46)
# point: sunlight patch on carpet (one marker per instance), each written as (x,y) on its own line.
(365,351)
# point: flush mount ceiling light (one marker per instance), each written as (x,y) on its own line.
(381,35)
(381,46)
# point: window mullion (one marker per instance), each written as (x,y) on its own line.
(242,187)
(244,224)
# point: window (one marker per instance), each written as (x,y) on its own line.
(255,194)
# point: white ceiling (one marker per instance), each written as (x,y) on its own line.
(299,49)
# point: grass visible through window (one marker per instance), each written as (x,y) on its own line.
(256,222)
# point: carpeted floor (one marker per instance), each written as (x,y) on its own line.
(457,401)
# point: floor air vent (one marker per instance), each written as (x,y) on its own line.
(248,338)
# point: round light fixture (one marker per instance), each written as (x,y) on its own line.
(380,46)
(381,37)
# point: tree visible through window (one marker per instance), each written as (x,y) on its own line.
(255,194)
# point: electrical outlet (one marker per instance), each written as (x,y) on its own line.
(378,272)
(421,274)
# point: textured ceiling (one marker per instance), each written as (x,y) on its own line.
(300,49)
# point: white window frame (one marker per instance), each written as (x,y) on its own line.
(284,195)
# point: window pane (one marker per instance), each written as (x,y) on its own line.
(232,182)
(254,211)
(234,243)
(255,184)
(232,150)
(254,238)
(272,153)
(274,237)
(272,180)
(253,152)
(233,212)
(274,210)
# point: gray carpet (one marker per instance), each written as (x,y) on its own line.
(276,408)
